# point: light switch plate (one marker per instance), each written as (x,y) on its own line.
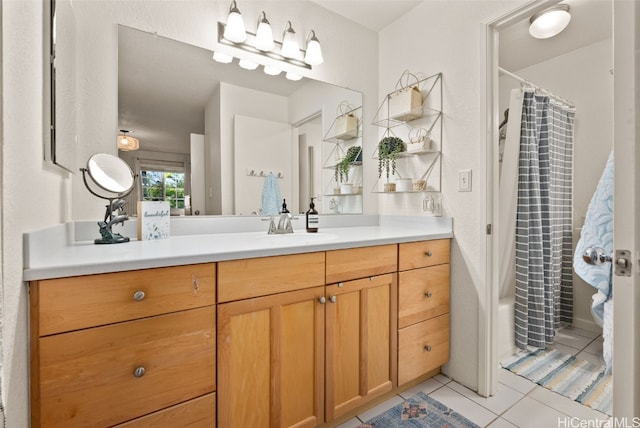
(464,180)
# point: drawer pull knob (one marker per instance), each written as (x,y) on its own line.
(138,296)
(428,253)
(428,294)
(139,372)
(332,299)
(322,300)
(427,348)
(340,284)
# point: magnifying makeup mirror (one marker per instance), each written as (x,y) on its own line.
(109,177)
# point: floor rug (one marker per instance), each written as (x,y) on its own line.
(419,411)
(575,378)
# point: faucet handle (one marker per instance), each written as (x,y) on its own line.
(272,227)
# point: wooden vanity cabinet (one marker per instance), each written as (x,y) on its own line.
(132,348)
(423,308)
(360,342)
(271,341)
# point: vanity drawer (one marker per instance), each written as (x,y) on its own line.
(422,347)
(67,304)
(89,375)
(199,412)
(248,278)
(414,255)
(422,294)
(345,265)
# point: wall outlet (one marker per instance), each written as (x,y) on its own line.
(464,180)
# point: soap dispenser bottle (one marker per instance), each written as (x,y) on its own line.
(284,207)
(312,218)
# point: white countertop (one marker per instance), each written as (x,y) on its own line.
(44,259)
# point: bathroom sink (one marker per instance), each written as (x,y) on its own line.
(298,238)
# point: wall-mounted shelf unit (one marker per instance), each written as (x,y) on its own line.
(418,164)
(345,134)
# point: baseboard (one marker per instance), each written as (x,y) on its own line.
(587,324)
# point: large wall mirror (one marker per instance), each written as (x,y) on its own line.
(210,134)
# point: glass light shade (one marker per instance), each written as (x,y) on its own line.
(235,31)
(550,22)
(313,56)
(247,65)
(126,143)
(293,76)
(264,35)
(271,70)
(222,57)
(290,47)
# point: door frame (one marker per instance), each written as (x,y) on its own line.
(626,354)
(487,319)
(626,290)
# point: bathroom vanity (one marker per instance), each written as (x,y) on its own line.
(276,334)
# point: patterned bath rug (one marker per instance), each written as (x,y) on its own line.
(419,411)
(575,378)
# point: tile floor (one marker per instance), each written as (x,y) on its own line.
(518,402)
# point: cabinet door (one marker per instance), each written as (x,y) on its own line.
(360,340)
(271,364)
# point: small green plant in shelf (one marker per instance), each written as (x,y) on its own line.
(388,149)
(342,168)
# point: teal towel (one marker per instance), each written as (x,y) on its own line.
(271,195)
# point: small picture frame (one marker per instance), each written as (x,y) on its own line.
(153,220)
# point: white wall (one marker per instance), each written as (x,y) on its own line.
(583,77)
(212,153)
(36,195)
(445,36)
(236,100)
(196,153)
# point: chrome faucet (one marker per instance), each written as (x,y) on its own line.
(284,223)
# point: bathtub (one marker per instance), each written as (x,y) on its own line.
(506,327)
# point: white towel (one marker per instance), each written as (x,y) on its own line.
(271,195)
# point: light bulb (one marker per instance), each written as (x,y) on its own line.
(293,76)
(271,70)
(247,65)
(264,35)
(222,57)
(235,31)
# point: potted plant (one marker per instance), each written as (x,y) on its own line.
(388,149)
(354,154)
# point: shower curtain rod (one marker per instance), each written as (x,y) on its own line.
(538,87)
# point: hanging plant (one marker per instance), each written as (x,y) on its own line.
(388,149)
(342,168)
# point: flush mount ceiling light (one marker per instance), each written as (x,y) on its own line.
(127,143)
(264,34)
(234,30)
(549,22)
(313,56)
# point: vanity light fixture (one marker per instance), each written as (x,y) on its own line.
(127,143)
(549,22)
(290,48)
(234,30)
(264,35)
(313,55)
(222,57)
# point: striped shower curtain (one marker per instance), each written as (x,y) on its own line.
(544,289)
